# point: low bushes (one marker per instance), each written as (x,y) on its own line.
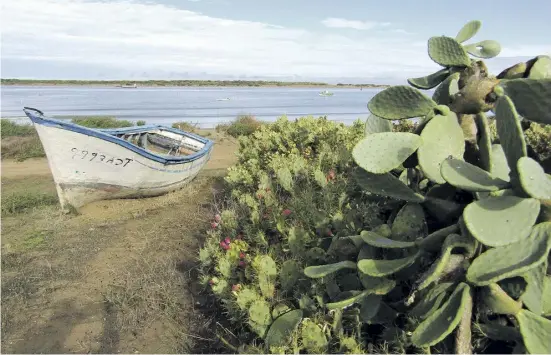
(426,238)
(101,122)
(243,125)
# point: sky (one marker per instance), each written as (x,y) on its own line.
(354,41)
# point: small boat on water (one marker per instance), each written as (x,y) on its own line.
(326,93)
(129,86)
(99,164)
(224,99)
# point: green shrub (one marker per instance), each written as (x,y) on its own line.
(101,122)
(141,123)
(185,126)
(243,125)
(8,128)
(436,240)
(24,201)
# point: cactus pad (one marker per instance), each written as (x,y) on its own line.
(484,49)
(510,132)
(409,224)
(511,260)
(369,306)
(470,177)
(280,309)
(443,321)
(468,31)
(439,266)
(499,168)
(315,272)
(376,240)
(376,285)
(373,267)
(536,332)
(531,97)
(245,297)
(433,242)
(399,102)
(497,221)
(380,153)
(484,141)
(546,301)
(260,316)
(442,138)
(282,327)
(449,87)
(375,124)
(385,315)
(541,69)
(313,337)
(347,298)
(498,301)
(533,179)
(533,296)
(431,301)
(386,185)
(429,81)
(289,274)
(448,52)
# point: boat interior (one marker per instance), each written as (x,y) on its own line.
(163,142)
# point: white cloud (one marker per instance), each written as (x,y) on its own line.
(142,37)
(334,22)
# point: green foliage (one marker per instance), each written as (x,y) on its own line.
(243,125)
(432,237)
(23,201)
(101,122)
(185,126)
(141,123)
(9,128)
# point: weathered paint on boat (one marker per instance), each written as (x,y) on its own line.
(95,164)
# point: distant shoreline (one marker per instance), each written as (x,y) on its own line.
(184,83)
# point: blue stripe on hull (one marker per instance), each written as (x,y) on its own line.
(108,135)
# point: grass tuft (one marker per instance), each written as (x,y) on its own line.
(26,200)
(185,126)
(101,122)
(243,125)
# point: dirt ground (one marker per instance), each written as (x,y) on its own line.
(117,278)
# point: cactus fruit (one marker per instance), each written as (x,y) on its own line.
(324,270)
(400,102)
(468,31)
(483,49)
(513,219)
(442,138)
(382,152)
(448,52)
(282,327)
(535,332)
(533,179)
(259,316)
(313,337)
(375,124)
(386,185)
(470,177)
(531,97)
(512,259)
(498,301)
(443,321)
(377,268)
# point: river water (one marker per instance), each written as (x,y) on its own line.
(204,106)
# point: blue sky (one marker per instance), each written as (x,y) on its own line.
(348,40)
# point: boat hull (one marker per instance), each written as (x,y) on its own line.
(87,168)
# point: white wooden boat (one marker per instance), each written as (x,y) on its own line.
(129,86)
(98,164)
(325,93)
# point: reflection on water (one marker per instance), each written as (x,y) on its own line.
(199,105)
